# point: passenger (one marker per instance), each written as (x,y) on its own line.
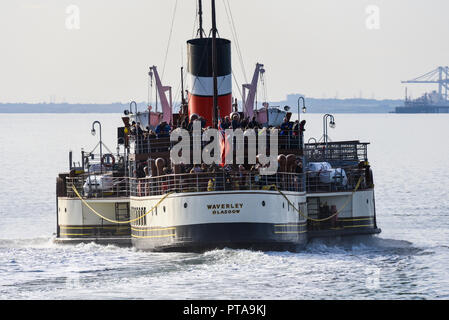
(298,168)
(285,128)
(186,123)
(241,178)
(226,123)
(182,168)
(244,123)
(256,176)
(193,117)
(298,176)
(140,173)
(302,125)
(203,122)
(151,134)
(235,123)
(133,128)
(254,124)
(196,169)
(228,181)
(163,130)
(211,185)
(139,129)
(295,129)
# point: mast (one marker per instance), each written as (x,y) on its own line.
(214,66)
(183,101)
(200,16)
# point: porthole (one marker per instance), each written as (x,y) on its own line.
(163,208)
(283,205)
(263,203)
(65,209)
(367,200)
(185,204)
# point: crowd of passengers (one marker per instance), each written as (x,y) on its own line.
(289,131)
(216,178)
(163,129)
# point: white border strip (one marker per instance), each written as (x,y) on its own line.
(204,86)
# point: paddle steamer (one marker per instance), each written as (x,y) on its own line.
(146,197)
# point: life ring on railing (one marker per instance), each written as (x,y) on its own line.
(107,156)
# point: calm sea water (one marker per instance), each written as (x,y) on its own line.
(408,260)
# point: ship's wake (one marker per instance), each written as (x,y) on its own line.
(363,244)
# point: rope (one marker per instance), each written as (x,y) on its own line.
(324,219)
(169,38)
(234,35)
(116,221)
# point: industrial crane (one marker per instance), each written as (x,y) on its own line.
(440,76)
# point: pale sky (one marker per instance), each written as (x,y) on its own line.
(321,48)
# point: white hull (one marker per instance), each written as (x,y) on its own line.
(244,219)
(218,219)
(77,223)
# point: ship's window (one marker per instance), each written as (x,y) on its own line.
(164,208)
(263,203)
(185,204)
(283,204)
(65,209)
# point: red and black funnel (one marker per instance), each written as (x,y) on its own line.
(200,77)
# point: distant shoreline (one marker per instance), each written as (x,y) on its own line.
(313,105)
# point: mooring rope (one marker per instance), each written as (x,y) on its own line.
(116,221)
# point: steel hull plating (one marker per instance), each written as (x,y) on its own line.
(78,224)
(260,220)
(201,237)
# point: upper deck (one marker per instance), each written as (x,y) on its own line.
(146,168)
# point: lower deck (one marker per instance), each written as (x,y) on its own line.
(259,220)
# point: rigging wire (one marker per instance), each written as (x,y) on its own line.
(234,35)
(169,38)
(196,20)
(237,85)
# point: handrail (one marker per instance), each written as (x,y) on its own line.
(309,181)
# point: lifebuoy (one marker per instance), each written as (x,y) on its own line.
(108,164)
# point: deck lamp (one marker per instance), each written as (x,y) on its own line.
(304,109)
(101,142)
(331,124)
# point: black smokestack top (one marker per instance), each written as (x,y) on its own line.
(199,57)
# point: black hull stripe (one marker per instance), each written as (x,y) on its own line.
(233,235)
(94,231)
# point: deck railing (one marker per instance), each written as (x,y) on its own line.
(313,182)
(146,144)
(336,152)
